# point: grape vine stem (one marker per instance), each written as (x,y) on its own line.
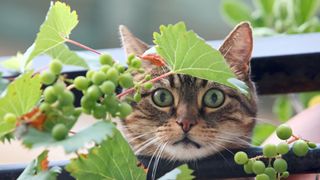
(128,91)
(82,46)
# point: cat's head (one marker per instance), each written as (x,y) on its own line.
(187,118)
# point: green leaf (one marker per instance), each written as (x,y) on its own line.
(13,63)
(265,5)
(35,171)
(112,159)
(63,53)
(261,132)
(283,108)
(96,133)
(180,173)
(306,97)
(305,9)
(236,11)
(186,53)
(21,96)
(59,22)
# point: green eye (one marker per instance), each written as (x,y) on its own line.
(162,98)
(213,98)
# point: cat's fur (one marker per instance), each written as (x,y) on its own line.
(155,131)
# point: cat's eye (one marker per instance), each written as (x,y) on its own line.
(213,98)
(162,98)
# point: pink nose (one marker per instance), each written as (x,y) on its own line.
(186,125)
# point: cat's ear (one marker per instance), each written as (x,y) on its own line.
(237,49)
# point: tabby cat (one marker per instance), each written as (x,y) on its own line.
(186,118)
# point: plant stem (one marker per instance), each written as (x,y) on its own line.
(128,91)
(82,46)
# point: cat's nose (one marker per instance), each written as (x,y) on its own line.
(186,124)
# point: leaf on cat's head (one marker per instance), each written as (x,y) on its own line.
(186,53)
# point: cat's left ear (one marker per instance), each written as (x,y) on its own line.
(237,49)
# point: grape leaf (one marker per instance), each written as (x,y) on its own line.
(180,173)
(59,22)
(36,169)
(21,96)
(113,159)
(14,62)
(186,53)
(96,133)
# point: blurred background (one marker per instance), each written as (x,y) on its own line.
(212,20)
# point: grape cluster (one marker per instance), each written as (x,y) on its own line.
(277,166)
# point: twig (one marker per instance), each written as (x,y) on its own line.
(82,46)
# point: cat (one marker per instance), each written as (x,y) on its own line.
(186,118)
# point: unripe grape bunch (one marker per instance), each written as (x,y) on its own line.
(276,167)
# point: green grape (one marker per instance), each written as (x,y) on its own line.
(300,148)
(126,80)
(282,148)
(59,88)
(93,92)
(68,110)
(108,87)
(105,68)
(130,58)
(50,95)
(147,85)
(106,59)
(270,150)
(284,132)
(137,97)
(312,145)
(125,109)
(113,75)
(120,68)
(247,167)
(55,67)
(47,77)
(87,103)
(81,83)
(241,157)
(271,172)
(285,174)
(98,77)
(262,177)
(280,165)
(77,112)
(136,63)
(44,107)
(59,132)
(66,98)
(89,74)
(10,118)
(99,112)
(258,167)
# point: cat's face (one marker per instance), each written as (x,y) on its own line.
(186,118)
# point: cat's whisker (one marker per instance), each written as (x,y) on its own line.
(216,150)
(152,157)
(155,166)
(146,144)
(218,144)
(139,136)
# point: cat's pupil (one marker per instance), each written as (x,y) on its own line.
(214,98)
(162,97)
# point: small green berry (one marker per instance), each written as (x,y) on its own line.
(106,59)
(113,75)
(55,67)
(108,87)
(280,165)
(47,77)
(312,145)
(98,77)
(137,97)
(10,118)
(126,80)
(59,132)
(81,83)
(284,132)
(270,150)
(136,63)
(262,177)
(285,174)
(241,158)
(271,172)
(93,92)
(247,167)
(125,109)
(282,148)
(258,167)
(300,148)
(147,85)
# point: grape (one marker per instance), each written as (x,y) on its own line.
(113,75)
(124,109)
(55,67)
(59,88)
(77,111)
(300,148)
(89,74)
(137,97)
(280,165)
(93,92)
(247,167)
(99,112)
(284,132)
(120,68)
(44,107)
(49,95)
(106,59)
(47,77)
(271,172)
(66,98)
(59,132)
(262,177)
(258,167)
(270,150)
(126,80)
(10,118)
(68,110)
(81,83)
(98,77)
(130,58)
(108,87)
(105,68)
(87,103)
(241,157)
(312,145)
(147,77)
(136,63)
(285,174)
(282,148)
(147,85)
